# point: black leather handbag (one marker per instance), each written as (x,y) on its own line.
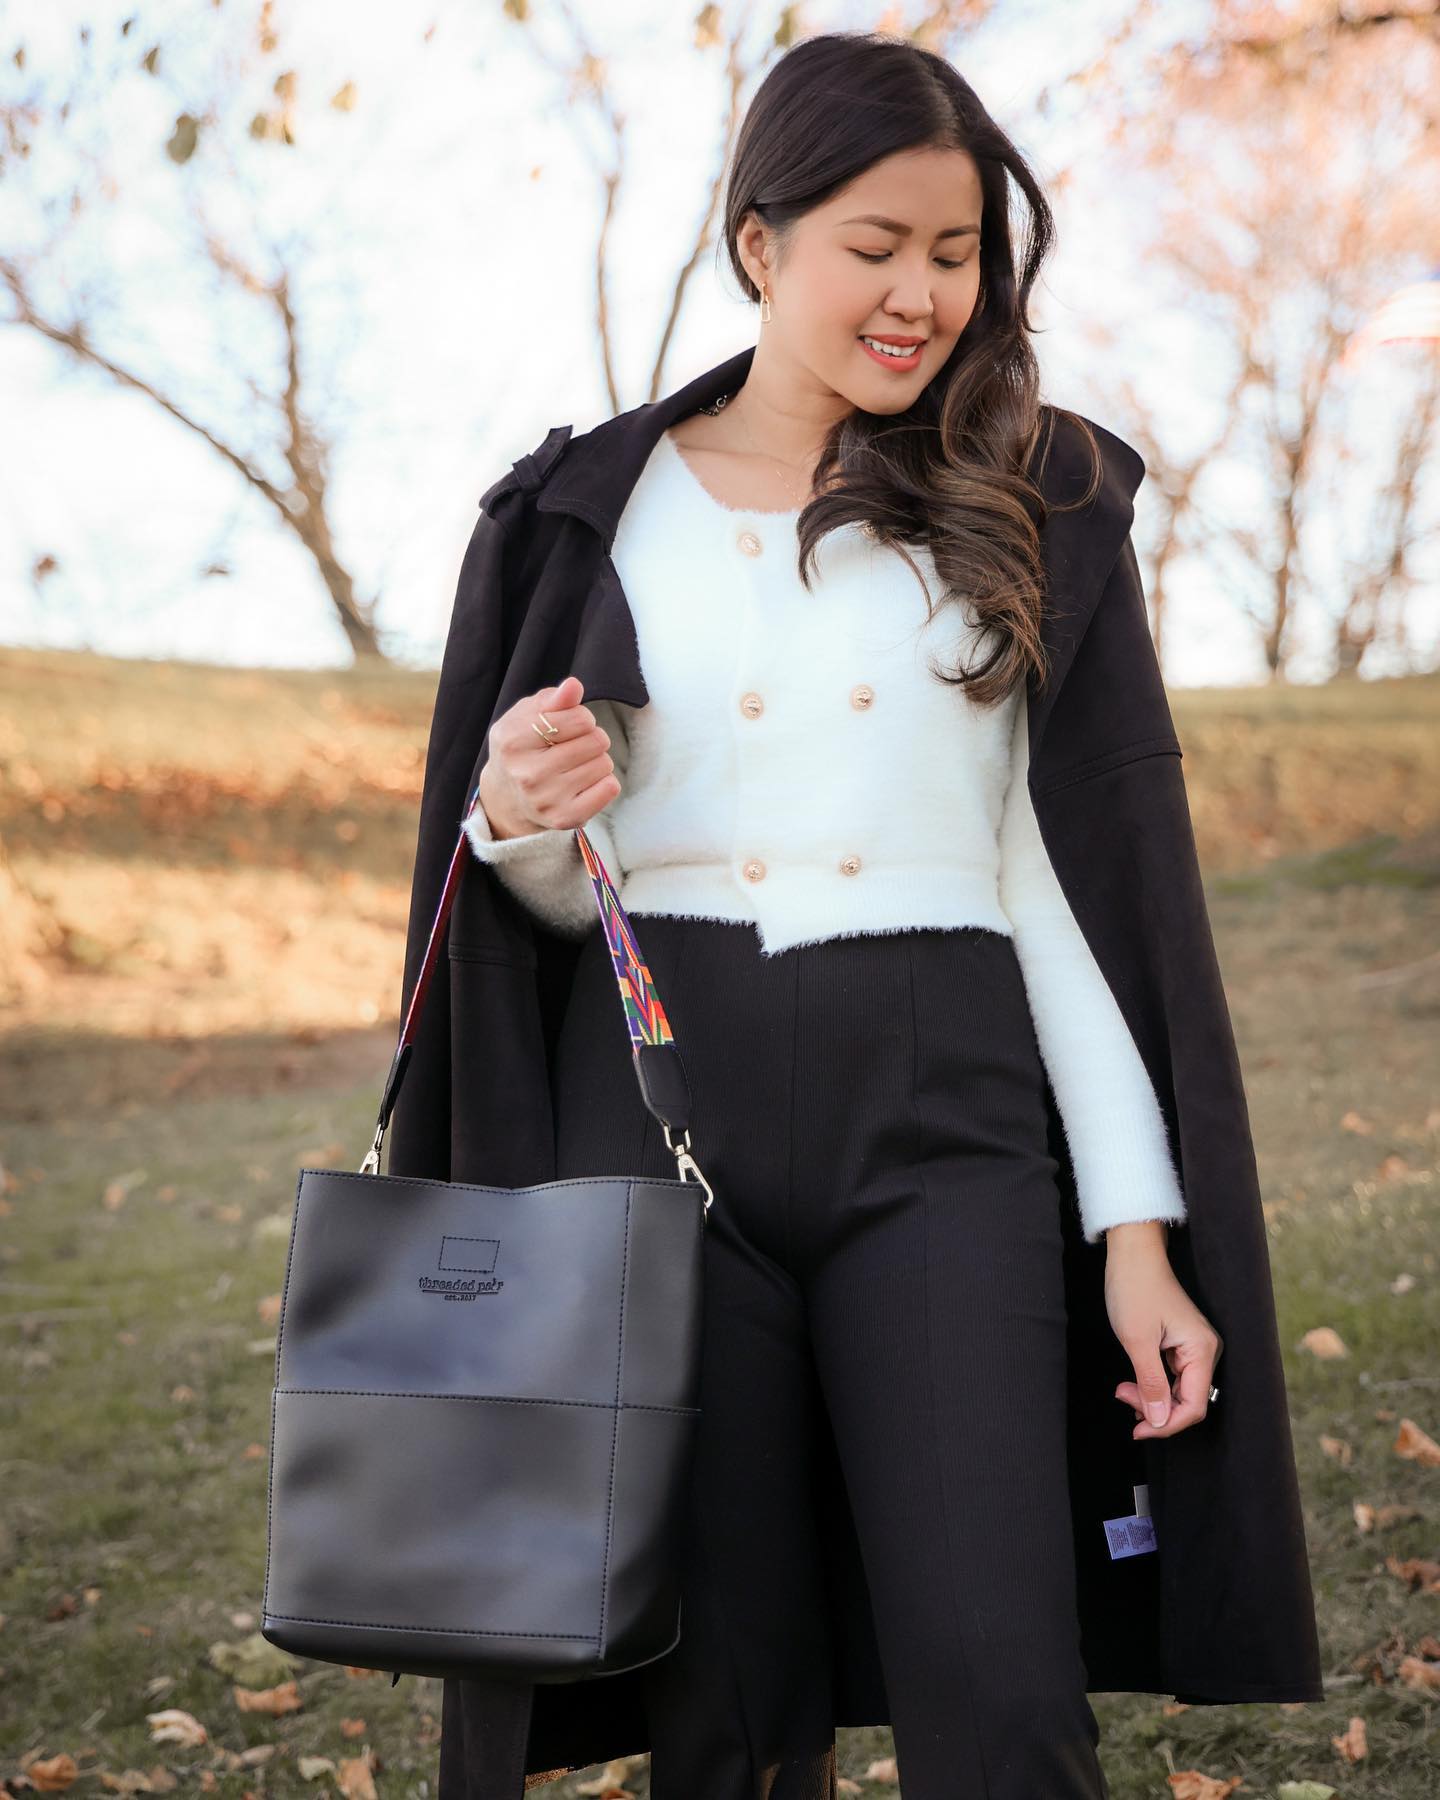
(485,1397)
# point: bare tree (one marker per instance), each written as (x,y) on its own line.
(1290,156)
(1173,483)
(1376,593)
(69,179)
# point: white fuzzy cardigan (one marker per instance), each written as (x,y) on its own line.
(799,767)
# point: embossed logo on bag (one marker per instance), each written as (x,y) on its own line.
(468,1269)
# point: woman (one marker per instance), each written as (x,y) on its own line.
(870,736)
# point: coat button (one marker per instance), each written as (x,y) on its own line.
(749,543)
(752,706)
(861,697)
(754,869)
(850,865)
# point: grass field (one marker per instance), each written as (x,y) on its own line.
(205,877)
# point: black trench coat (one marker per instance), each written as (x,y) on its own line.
(1222,1610)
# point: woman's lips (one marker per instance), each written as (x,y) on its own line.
(892,362)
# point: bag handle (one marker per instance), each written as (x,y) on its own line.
(653,1050)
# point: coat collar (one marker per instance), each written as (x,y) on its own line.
(594,476)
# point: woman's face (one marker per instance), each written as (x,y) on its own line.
(848,275)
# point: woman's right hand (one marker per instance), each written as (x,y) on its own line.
(530,785)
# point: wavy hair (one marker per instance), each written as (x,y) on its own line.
(949,472)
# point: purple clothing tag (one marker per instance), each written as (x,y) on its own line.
(1131,1536)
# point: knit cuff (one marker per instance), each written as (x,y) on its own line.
(543,869)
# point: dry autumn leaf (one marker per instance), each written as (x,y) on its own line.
(176,1726)
(883,1768)
(253,1661)
(53,1774)
(1387,1517)
(1324,1343)
(1421,1676)
(1338,1450)
(1416,1445)
(1190,1784)
(1377,1664)
(1352,1744)
(116,1191)
(356,1779)
(282,1699)
(1422,1574)
(137,1781)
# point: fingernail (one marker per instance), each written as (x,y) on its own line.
(1158,1412)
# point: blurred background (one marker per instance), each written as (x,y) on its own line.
(284,287)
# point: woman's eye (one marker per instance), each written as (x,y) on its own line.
(880,255)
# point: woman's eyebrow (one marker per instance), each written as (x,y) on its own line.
(902,230)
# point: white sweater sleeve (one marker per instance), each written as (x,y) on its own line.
(544,870)
(1113,1123)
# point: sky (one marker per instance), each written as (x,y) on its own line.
(442,234)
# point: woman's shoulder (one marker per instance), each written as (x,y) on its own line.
(1068,445)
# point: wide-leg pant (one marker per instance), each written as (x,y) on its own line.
(885,1243)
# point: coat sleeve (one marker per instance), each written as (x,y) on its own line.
(544,869)
(1112,1119)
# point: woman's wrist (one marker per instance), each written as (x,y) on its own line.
(501,828)
(1138,1237)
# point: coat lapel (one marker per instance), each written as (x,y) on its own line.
(596,474)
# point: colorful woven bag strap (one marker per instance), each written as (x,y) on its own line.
(653,1050)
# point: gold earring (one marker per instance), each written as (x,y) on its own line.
(764,304)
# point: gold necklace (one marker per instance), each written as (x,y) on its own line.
(781,468)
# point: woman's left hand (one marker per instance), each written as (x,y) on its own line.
(1158,1323)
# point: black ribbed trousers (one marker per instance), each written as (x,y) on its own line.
(885,1243)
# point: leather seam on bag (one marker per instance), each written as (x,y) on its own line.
(615,1415)
(489,1187)
(486,1399)
(570,1637)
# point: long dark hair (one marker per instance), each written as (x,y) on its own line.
(950,471)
